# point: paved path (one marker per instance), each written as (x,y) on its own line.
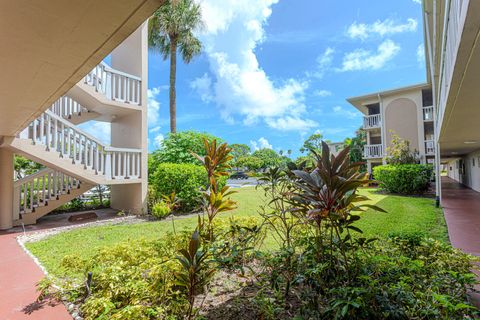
(461,207)
(18,277)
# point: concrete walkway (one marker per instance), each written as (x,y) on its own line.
(461,206)
(18,277)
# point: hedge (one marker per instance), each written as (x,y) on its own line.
(404,178)
(186,180)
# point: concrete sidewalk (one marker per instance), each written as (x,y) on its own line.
(461,206)
(18,278)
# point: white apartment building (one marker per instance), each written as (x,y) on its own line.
(406,112)
(440,118)
(54,78)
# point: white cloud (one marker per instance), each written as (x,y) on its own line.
(158,140)
(153,107)
(361,59)
(323,93)
(340,111)
(324,63)
(240,87)
(421,54)
(417,1)
(203,85)
(98,129)
(381,28)
(262,143)
(154,129)
(291,123)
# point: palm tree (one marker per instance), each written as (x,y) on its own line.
(171,28)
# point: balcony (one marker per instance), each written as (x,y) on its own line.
(372,121)
(428,113)
(429,148)
(115,85)
(373,151)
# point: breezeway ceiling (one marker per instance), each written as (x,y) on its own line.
(48,46)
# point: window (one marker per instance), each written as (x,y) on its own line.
(427,98)
(473,162)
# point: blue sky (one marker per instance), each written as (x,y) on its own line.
(275,71)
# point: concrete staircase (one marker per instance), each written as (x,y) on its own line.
(75,161)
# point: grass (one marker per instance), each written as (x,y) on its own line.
(405,214)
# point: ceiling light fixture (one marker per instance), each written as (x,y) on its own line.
(470,142)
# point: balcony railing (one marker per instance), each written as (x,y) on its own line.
(429,147)
(372,121)
(373,151)
(114,84)
(428,113)
(57,134)
(452,35)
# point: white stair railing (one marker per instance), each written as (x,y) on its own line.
(37,189)
(114,84)
(428,113)
(373,151)
(372,121)
(429,147)
(59,135)
(66,107)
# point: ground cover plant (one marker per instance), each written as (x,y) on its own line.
(319,263)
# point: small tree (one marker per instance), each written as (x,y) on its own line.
(215,200)
(314,142)
(239,151)
(269,157)
(398,152)
(250,162)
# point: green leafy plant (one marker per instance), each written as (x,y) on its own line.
(398,152)
(195,272)
(404,178)
(177,148)
(186,180)
(161,210)
(216,198)
(327,198)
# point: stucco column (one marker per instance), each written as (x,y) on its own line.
(6,189)
(130,131)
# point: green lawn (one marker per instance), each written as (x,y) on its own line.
(405,214)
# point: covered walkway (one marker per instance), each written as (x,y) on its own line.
(461,206)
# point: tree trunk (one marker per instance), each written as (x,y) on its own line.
(173,93)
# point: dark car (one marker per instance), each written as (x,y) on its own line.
(239,175)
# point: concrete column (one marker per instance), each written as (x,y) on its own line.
(6,189)
(131,131)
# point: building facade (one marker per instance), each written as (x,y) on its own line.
(62,81)
(406,112)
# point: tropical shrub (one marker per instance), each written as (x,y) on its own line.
(404,178)
(216,200)
(186,180)
(398,152)
(178,148)
(160,210)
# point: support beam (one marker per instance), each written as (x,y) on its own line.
(131,131)
(6,188)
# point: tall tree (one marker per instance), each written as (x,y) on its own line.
(314,142)
(239,150)
(170,29)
